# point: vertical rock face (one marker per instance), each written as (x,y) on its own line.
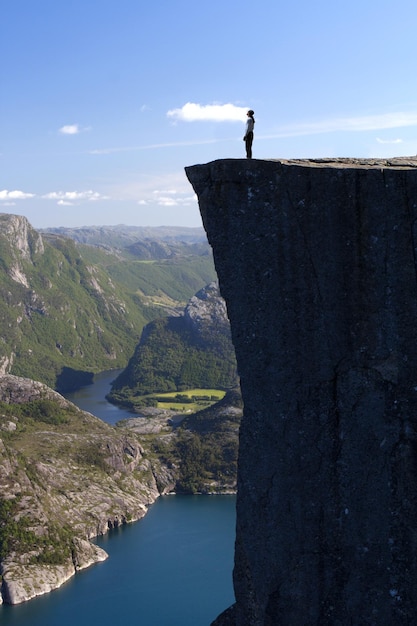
(316,262)
(26,241)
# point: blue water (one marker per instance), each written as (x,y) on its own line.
(172,568)
(92,398)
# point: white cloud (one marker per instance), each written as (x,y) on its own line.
(171,197)
(66,198)
(190,199)
(15,195)
(167,201)
(73,129)
(389,141)
(192,112)
(171,191)
(70,129)
(151,191)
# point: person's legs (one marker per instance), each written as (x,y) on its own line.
(248,142)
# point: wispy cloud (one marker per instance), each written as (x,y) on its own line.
(192,112)
(15,195)
(153,146)
(347,124)
(337,124)
(389,141)
(69,198)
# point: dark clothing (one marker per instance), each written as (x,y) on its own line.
(248,144)
(248,137)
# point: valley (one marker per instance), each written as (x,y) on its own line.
(70,310)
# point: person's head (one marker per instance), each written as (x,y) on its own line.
(250,113)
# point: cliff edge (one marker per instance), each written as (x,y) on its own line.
(316,262)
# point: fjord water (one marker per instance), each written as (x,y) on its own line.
(92,398)
(172,568)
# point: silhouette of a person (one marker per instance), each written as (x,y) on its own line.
(248,137)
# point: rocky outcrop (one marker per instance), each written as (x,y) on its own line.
(24,240)
(25,244)
(6,362)
(23,582)
(316,262)
(206,312)
(65,477)
(17,390)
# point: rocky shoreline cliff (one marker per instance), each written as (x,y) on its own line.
(316,262)
(65,478)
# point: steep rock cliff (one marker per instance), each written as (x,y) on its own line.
(316,262)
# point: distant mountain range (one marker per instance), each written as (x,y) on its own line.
(70,308)
(121,236)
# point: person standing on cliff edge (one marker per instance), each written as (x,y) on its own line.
(248,137)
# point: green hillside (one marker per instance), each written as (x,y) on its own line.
(178,278)
(183,352)
(68,308)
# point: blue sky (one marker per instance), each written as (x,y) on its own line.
(103,103)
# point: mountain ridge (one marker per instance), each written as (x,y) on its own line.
(68,310)
(192,349)
(121,235)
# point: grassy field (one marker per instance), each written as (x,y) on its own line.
(189,401)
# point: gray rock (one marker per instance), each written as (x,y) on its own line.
(207,309)
(85,554)
(25,582)
(316,262)
(15,389)
(8,426)
(84,477)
